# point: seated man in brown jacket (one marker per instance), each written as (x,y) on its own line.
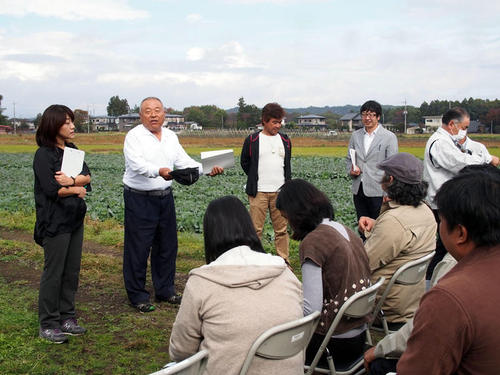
(404,231)
(456,326)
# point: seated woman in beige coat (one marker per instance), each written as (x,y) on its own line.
(236,296)
(404,231)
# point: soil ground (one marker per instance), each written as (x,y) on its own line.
(13,272)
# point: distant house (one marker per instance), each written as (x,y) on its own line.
(104,123)
(174,122)
(413,128)
(127,122)
(477,127)
(431,123)
(173,119)
(311,122)
(351,121)
(5,129)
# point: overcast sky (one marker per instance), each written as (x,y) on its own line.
(295,52)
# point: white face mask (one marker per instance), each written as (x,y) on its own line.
(461,135)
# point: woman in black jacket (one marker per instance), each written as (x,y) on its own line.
(60,210)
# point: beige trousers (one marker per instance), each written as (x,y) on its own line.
(259,205)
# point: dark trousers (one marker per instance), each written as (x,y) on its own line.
(366,206)
(59,281)
(382,366)
(344,351)
(150,226)
(440,250)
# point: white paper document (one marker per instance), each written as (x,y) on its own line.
(72,163)
(352,153)
(219,158)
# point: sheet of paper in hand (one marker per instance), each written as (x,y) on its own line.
(72,163)
(219,158)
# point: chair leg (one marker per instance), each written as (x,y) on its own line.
(329,359)
(369,340)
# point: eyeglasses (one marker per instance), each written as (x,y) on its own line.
(368,114)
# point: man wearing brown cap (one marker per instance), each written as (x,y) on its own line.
(404,231)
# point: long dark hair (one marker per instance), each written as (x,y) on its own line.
(227,224)
(52,119)
(304,205)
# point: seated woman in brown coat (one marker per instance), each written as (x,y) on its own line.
(334,267)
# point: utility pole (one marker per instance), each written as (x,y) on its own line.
(405,112)
(222,121)
(88,119)
(14,104)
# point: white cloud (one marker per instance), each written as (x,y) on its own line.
(73,9)
(274,1)
(205,79)
(195,54)
(193,18)
(230,55)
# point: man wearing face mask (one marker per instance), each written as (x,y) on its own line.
(444,157)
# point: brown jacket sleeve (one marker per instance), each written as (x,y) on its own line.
(442,329)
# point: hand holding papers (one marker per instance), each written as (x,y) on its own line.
(219,158)
(72,163)
(352,154)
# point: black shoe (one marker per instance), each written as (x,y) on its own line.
(174,299)
(144,307)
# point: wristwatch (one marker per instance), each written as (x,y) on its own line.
(74,181)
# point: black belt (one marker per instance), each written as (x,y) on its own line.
(153,193)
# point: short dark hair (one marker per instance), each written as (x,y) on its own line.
(472,199)
(304,205)
(405,194)
(227,224)
(371,106)
(272,110)
(457,114)
(52,119)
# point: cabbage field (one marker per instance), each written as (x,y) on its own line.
(106,201)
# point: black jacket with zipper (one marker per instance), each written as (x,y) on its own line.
(250,160)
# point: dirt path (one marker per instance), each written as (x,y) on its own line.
(14,272)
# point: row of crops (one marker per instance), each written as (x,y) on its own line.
(106,201)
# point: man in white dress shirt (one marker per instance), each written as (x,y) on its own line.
(151,153)
(444,157)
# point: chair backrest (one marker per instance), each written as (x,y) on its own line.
(409,273)
(282,341)
(194,365)
(357,306)
(412,272)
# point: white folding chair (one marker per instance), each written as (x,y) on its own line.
(282,341)
(194,365)
(358,305)
(410,273)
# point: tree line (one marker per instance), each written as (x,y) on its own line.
(248,115)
